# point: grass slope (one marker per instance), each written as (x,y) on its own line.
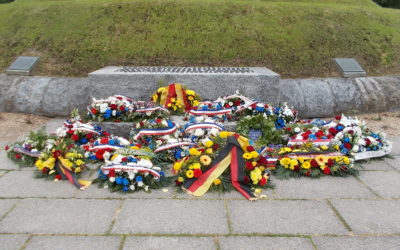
(296,38)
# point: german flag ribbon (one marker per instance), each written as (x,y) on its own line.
(231,155)
(67,174)
(176,91)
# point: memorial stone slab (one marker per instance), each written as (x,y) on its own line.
(210,82)
(349,67)
(23,65)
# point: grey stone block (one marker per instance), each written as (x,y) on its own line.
(386,184)
(12,242)
(60,216)
(370,216)
(376,164)
(396,145)
(262,84)
(233,194)
(265,243)
(169,243)
(322,188)
(172,217)
(73,243)
(5,206)
(5,163)
(365,243)
(53,124)
(395,162)
(2,173)
(284,217)
(24,184)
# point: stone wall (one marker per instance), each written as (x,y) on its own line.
(51,96)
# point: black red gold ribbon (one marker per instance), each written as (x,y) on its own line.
(231,155)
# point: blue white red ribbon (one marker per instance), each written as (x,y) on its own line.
(159,131)
(203,125)
(173,145)
(319,142)
(130,167)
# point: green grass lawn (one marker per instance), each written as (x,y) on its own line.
(296,38)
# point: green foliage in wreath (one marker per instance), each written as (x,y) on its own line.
(270,135)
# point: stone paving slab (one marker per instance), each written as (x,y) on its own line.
(284,217)
(322,188)
(5,163)
(376,164)
(12,242)
(370,216)
(2,173)
(170,216)
(24,184)
(265,243)
(386,184)
(5,206)
(169,243)
(60,216)
(74,243)
(395,162)
(53,124)
(364,243)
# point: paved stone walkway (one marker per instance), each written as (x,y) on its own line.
(327,213)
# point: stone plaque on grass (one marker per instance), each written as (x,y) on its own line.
(23,65)
(349,67)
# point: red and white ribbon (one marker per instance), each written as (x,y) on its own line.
(203,125)
(173,145)
(210,112)
(315,142)
(165,131)
(104,146)
(130,167)
(144,110)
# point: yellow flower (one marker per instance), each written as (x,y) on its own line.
(257,190)
(195,165)
(262,168)
(324,147)
(336,147)
(223,134)
(247,156)
(70,155)
(217,181)
(79,162)
(189,174)
(256,175)
(205,159)
(191,98)
(190,92)
(173,99)
(77,170)
(306,165)
(209,144)
(80,156)
(321,160)
(180,179)
(177,166)
(169,105)
(66,163)
(254,154)
(300,159)
(195,103)
(135,148)
(39,164)
(346,160)
(49,163)
(254,163)
(155,97)
(194,152)
(293,163)
(285,162)
(209,151)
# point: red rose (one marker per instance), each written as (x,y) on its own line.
(347,145)
(99,154)
(104,140)
(106,133)
(332,131)
(319,134)
(367,141)
(215,146)
(197,173)
(237,103)
(94,111)
(124,159)
(6,147)
(75,137)
(89,136)
(314,163)
(305,136)
(158,120)
(296,168)
(246,179)
(350,132)
(70,132)
(178,183)
(122,108)
(263,181)
(227,105)
(141,124)
(327,170)
(253,106)
(266,106)
(58,176)
(119,98)
(307,173)
(56,153)
(249,165)
(113,106)
(111,173)
(330,136)
(18,156)
(250,148)
(262,161)
(330,162)
(45,170)
(338,117)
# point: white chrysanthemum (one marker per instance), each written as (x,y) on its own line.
(199,132)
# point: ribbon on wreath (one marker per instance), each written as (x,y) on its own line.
(230,156)
(130,167)
(67,174)
(173,145)
(204,125)
(210,112)
(158,131)
(176,91)
(25,151)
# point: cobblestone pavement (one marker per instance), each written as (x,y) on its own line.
(327,213)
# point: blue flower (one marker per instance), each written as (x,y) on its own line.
(170,124)
(96,143)
(126,109)
(97,128)
(312,137)
(84,140)
(260,109)
(339,127)
(119,180)
(324,137)
(108,113)
(93,157)
(132,159)
(139,178)
(125,189)
(178,153)
(346,139)
(111,142)
(344,151)
(118,113)
(102,175)
(125,182)
(162,173)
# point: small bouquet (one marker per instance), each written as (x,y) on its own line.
(114,108)
(212,110)
(176,98)
(104,147)
(146,132)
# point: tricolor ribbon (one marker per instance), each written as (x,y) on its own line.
(22,150)
(159,131)
(230,156)
(319,142)
(210,112)
(67,174)
(105,147)
(173,145)
(80,127)
(130,167)
(203,125)
(144,110)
